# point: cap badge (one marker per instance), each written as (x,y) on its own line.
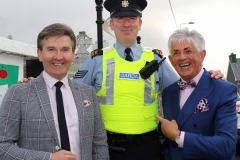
(125,3)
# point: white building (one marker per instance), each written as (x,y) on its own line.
(12,53)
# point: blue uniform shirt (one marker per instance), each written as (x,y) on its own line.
(93,66)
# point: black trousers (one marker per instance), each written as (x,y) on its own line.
(140,147)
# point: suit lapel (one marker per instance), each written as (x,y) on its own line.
(39,86)
(175,101)
(202,90)
(78,96)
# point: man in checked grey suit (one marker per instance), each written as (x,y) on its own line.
(29,127)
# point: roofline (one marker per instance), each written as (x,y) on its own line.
(9,46)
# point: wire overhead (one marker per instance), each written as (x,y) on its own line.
(173,14)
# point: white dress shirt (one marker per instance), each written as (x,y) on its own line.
(184,94)
(70,110)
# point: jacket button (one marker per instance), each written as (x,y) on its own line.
(57,148)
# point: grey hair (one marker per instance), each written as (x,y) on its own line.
(184,34)
(56,29)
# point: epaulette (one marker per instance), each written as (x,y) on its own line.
(96,52)
(158,52)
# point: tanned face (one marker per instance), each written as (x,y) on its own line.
(186,60)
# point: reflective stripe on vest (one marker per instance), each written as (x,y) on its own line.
(108,99)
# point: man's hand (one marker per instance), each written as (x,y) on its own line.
(217,74)
(25,80)
(63,155)
(169,128)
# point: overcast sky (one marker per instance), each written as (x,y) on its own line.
(217,20)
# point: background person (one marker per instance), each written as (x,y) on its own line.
(200,112)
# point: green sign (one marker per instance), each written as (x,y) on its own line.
(8,74)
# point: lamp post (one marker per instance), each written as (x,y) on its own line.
(99,22)
(186,23)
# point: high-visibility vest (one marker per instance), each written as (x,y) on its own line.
(128,103)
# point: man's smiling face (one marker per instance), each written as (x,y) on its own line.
(57,56)
(186,60)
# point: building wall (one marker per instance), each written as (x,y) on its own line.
(238,87)
(230,76)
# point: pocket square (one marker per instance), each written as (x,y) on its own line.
(202,106)
(86,103)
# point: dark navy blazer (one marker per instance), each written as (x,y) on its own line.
(209,134)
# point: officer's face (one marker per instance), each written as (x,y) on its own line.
(57,56)
(186,60)
(126,29)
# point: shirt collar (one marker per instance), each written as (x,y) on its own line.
(50,81)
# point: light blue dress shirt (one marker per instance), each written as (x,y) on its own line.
(165,75)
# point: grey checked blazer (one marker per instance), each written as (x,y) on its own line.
(26,119)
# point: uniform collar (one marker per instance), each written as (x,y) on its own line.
(120,49)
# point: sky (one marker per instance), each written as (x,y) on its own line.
(217,20)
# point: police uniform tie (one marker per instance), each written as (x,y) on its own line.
(128,56)
(183,85)
(61,118)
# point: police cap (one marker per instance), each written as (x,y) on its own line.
(120,8)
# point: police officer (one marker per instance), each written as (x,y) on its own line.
(128,102)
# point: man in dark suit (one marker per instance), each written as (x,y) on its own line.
(199,112)
(52,117)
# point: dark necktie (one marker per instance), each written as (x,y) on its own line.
(128,56)
(183,85)
(61,118)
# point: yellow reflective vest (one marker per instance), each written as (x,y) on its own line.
(128,102)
